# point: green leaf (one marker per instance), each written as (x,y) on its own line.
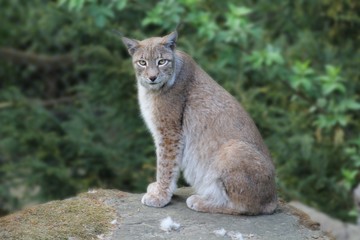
(351,104)
(100,21)
(239,11)
(302,68)
(74,4)
(121,4)
(330,87)
(61,2)
(349,177)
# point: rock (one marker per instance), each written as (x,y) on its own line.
(112,214)
(339,229)
(84,217)
(357,202)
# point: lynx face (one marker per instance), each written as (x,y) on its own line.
(153,60)
(154,67)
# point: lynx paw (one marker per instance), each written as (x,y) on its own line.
(195,202)
(155,197)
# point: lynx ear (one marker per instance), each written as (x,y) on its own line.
(170,40)
(131,44)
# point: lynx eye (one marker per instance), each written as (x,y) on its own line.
(162,62)
(141,63)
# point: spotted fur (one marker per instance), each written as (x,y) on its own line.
(201,129)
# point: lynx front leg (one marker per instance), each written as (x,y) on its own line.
(168,149)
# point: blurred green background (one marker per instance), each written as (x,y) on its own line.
(69,118)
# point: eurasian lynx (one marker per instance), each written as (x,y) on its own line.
(201,129)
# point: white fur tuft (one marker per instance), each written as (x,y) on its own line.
(168,225)
(235,235)
(232,234)
(220,232)
(92,191)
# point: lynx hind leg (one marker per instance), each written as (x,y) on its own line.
(212,198)
(248,177)
(245,185)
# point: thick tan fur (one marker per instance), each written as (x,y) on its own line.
(199,128)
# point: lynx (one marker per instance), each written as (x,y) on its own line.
(200,129)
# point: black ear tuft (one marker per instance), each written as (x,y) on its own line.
(170,40)
(131,44)
(116,32)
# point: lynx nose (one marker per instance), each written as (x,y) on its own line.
(152,78)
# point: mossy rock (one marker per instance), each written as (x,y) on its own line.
(91,216)
(87,216)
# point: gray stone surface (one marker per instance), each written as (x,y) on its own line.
(136,221)
(112,214)
(340,230)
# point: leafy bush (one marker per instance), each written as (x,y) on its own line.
(72,124)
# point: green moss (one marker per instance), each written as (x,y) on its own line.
(82,217)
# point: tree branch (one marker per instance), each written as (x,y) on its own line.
(45,103)
(41,61)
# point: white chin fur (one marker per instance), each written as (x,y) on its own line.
(151,86)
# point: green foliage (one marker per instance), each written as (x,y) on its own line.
(292,64)
(101,11)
